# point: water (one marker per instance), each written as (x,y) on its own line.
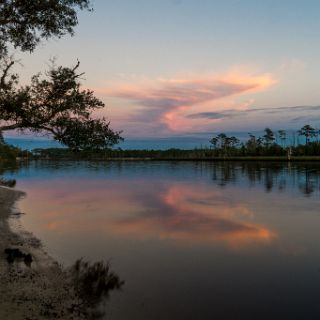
(31,143)
(192,240)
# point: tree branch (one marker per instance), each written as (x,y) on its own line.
(10,127)
(5,74)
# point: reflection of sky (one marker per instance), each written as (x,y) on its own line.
(189,202)
(172,211)
(192,240)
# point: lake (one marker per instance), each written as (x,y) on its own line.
(192,240)
(30,143)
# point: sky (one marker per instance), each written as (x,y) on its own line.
(194,67)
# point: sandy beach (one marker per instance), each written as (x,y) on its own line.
(41,291)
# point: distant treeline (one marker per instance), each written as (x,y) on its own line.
(172,154)
(271,145)
(11,153)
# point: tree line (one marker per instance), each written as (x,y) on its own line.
(270,144)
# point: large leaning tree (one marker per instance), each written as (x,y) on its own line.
(54,103)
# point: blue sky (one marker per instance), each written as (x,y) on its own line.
(173,67)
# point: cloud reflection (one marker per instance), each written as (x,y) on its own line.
(176,212)
(194,214)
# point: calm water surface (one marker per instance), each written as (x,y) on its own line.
(191,240)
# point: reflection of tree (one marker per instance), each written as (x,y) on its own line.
(254,172)
(304,176)
(308,185)
(268,179)
(93,284)
(282,184)
(8,167)
(224,173)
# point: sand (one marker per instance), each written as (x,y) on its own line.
(42,291)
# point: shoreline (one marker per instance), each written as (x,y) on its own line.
(213,159)
(42,291)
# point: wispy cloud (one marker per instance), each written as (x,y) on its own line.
(165,102)
(209,115)
(231,113)
(216,115)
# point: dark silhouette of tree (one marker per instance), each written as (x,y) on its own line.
(268,146)
(253,144)
(222,140)
(307,131)
(283,137)
(232,142)
(93,283)
(55,104)
(214,142)
(24,23)
(224,144)
(268,137)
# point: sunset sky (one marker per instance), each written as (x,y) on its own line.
(176,67)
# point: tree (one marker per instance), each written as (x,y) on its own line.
(222,138)
(283,137)
(253,143)
(55,104)
(268,137)
(24,23)
(224,143)
(233,142)
(307,131)
(214,142)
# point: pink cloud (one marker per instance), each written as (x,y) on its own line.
(165,103)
